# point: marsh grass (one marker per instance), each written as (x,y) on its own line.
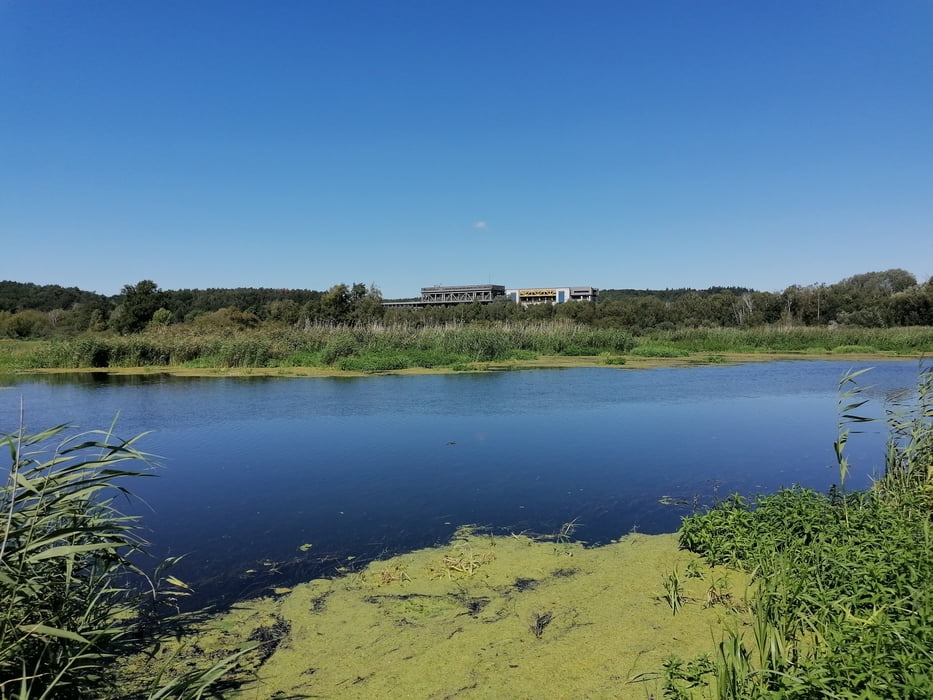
(360,348)
(69,605)
(796,339)
(654,350)
(377,347)
(844,605)
(16,354)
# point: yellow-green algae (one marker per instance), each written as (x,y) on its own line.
(486,617)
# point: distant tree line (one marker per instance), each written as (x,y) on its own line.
(33,311)
(873,299)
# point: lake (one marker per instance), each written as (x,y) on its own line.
(253,469)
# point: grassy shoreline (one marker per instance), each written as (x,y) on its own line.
(356,350)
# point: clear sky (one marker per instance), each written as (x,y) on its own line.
(302,143)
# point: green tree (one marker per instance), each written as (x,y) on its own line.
(27,324)
(284,311)
(366,307)
(913,307)
(162,318)
(140,302)
(229,317)
(335,304)
(578,311)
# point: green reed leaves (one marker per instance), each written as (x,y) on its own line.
(844,606)
(67,604)
(374,347)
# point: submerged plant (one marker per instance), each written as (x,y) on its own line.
(673,592)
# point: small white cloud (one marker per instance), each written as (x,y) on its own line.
(480,224)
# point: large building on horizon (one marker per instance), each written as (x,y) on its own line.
(486,293)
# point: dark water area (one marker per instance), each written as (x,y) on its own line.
(251,469)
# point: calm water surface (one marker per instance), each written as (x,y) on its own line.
(253,468)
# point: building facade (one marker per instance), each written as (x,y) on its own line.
(487,293)
(552,295)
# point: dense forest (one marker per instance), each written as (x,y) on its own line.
(874,299)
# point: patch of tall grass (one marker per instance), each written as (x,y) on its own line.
(844,605)
(17,354)
(653,350)
(909,340)
(67,555)
(329,345)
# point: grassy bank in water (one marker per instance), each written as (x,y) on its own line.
(796,339)
(504,617)
(370,348)
(379,348)
(844,606)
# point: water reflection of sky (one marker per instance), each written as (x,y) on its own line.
(254,468)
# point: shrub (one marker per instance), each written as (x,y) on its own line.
(844,606)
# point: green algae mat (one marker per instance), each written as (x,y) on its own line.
(481,617)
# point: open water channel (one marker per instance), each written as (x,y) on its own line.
(252,470)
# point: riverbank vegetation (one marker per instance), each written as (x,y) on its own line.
(887,299)
(73,597)
(381,348)
(346,328)
(844,605)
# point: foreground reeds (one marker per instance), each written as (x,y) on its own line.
(844,605)
(70,599)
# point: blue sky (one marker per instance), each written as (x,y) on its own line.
(303,143)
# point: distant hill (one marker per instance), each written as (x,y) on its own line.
(18,296)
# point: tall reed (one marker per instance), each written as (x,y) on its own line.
(67,606)
(844,606)
(328,345)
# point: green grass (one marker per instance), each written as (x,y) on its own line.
(651,350)
(67,606)
(17,354)
(797,339)
(844,605)
(375,348)
(384,348)
(853,349)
